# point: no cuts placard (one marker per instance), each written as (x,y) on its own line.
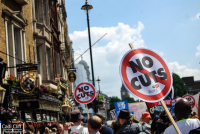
(84,93)
(191,99)
(145,74)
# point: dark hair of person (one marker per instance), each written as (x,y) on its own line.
(116,126)
(95,122)
(164,117)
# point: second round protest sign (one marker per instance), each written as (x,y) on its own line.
(145,74)
(191,99)
(84,93)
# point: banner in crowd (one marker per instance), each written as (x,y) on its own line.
(155,111)
(159,108)
(120,105)
(195,108)
(137,108)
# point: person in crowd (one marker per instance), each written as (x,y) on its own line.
(182,111)
(104,129)
(146,117)
(94,125)
(60,129)
(127,127)
(115,126)
(75,125)
(153,125)
(38,132)
(159,125)
(30,129)
(54,130)
(46,130)
(194,115)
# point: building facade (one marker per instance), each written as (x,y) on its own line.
(191,85)
(16,37)
(35,32)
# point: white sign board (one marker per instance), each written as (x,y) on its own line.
(137,108)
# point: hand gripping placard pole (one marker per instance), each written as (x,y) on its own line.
(165,108)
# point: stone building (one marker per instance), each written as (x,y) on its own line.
(35,31)
(193,86)
(52,42)
(16,33)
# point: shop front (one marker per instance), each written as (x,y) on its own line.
(38,109)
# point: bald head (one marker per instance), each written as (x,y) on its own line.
(182,109)
(95,122)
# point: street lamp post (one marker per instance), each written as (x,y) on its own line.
(87,7)
(98,80)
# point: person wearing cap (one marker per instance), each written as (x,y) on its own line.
(146,117)
(127,127)
(75,124)
(104,129)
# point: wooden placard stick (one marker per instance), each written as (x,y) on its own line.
(170,117)
(166,109)
(87,111)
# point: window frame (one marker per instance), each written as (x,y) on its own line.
(13,22)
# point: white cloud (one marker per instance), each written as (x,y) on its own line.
(197,16)
(198,51)
(184,71)
(107,54)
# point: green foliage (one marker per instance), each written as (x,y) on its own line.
(178,84)
(112,100)
(130,100)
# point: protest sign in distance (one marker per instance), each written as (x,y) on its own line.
(84,93)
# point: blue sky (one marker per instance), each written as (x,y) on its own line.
(170,28)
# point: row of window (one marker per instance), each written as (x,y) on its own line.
(42,7)
(16,42)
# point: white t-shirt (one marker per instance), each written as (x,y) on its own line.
(184,126)
(76,129)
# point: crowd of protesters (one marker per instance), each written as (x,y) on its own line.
(186,120)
